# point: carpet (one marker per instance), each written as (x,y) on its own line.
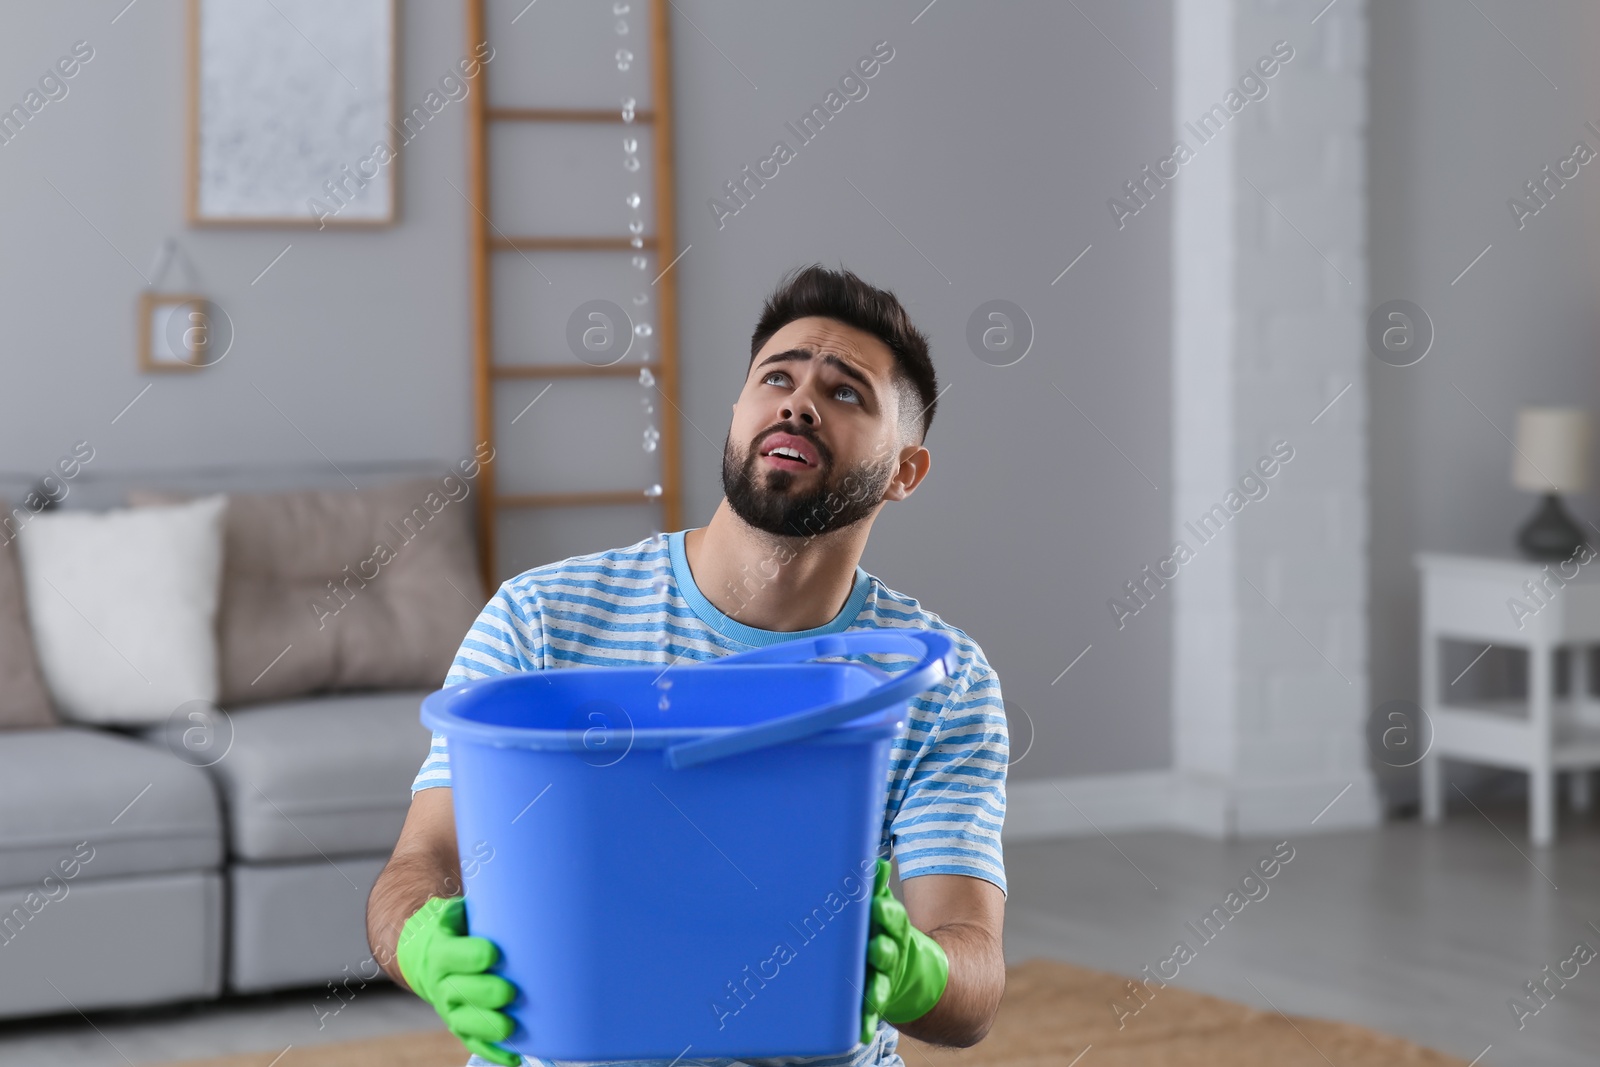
(1050,1014)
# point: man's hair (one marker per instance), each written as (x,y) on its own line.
(841,295)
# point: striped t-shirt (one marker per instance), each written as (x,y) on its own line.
(639,605)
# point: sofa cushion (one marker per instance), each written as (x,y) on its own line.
(123,605)
(24,703)
(302,924)
(138,807)
(113,943)
(327,591)
(320,777)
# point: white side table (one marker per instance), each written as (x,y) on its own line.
(1474,599)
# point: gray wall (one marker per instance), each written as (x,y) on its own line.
(1460,121)
(360,339)
(977,168)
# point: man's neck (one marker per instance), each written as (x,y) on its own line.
(771,582)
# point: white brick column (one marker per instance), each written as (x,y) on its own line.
(1270,694)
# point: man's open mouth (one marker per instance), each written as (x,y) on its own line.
(787,452)
(786,463)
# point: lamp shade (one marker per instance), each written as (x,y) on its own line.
(1552,453)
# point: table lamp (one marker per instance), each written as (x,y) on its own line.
(1551,457)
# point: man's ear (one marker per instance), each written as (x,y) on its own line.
(913,468)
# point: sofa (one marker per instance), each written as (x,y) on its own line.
(228,845)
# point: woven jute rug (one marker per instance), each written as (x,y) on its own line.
(1051,1014)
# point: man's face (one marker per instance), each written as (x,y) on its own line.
(822,389)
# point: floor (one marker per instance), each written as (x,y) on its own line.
(267,1022)
(1418,931)
(1426,933)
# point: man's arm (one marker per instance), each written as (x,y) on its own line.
(425,864)
(505,638)
(966,916)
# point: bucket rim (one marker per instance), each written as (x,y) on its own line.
(439,713)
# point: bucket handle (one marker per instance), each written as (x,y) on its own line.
(939,660)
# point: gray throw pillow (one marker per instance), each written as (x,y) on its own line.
(325,590)
(24,701)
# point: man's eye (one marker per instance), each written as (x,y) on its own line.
(855,396)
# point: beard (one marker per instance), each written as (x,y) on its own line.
(768,499)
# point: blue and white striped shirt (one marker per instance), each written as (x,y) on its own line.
(639,605)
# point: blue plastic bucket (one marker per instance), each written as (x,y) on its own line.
(689,881)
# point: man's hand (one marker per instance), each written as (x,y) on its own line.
(907,970)
(444,966)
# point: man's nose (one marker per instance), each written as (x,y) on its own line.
(799,406)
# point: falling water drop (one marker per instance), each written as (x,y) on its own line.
(660,588)
(661,578)
(661,584)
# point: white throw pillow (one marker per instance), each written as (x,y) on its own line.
(123,606)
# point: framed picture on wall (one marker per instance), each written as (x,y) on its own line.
(175,332)
(289,101)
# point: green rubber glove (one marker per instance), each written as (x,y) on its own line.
(906,969)
(446,968)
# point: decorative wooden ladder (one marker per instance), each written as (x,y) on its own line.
(487,241)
